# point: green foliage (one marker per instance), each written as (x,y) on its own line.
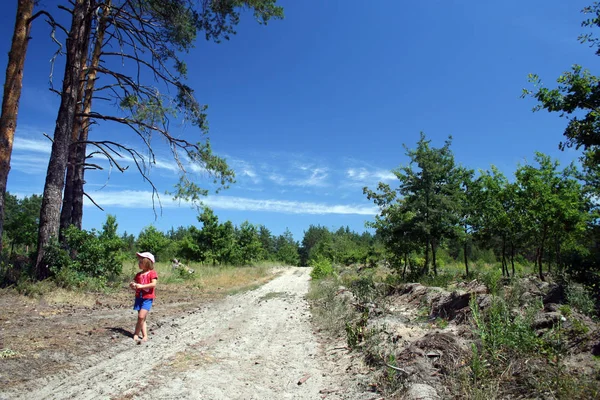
(364,288)
(89,260)
(356,331)
(249,244)
(286,249)
(440,280)
(479,365)
(492,278)
(21,220)
(152,240)
(424,209)
(321,267)
(576,98)
(581,299)
(500,330)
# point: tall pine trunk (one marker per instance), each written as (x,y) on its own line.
(79,176)
(55,177)
(12,94)
(66,213)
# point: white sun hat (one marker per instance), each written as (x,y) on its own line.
(147,255)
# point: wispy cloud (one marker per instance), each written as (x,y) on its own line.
(244,169)
(30,165)
(363,176)
(143,199)
(33,145)
(317,177)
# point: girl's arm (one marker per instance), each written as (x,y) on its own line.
(146,286)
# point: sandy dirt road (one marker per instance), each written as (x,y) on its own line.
(253,345)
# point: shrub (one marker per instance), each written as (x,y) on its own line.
(322,267)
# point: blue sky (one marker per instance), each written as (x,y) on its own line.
(310,109)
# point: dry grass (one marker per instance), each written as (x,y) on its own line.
(61,296)
(185,360)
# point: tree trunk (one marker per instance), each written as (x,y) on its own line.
(426,265)
(465,247)
(538,263)
(12,94)
(434,262)
(512,257)
(405,266)
(55,177)
(504,262)
(66,213)
(79,178)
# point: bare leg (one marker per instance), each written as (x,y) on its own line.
(144,330)
(140,326)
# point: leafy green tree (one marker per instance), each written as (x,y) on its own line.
(491,214)
(128,241)
(92,256)
(267,241)
(312,236)
(465,209)
(110,240)
(426,202)
(152,240)
(187,246)
(554,206)
(249,244)
(287,250)
(21,222)
(576,98)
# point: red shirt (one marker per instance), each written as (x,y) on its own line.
(145,278)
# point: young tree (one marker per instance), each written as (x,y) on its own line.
(287,249)
(22,220)
(466,211)
(554,205)
(248,243)
(152,240)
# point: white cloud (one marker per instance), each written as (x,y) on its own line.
(37,146)
(318,177)
(29,164)
(361,176)
(143,199)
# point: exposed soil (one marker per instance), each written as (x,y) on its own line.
(255,345)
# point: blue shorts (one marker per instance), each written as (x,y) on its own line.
(142,304)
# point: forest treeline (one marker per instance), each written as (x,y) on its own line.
(437,213)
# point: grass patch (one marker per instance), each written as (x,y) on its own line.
(185,360)
(61,296)
(330,308)
(8,353)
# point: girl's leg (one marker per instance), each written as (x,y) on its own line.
(144,331)
(140,326)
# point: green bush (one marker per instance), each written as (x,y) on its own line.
(581,299)
(363,288)
(500,331)
(492,279)
(321,267)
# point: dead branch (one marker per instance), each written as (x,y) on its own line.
(92,200)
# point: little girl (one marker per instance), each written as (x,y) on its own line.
(143,284)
